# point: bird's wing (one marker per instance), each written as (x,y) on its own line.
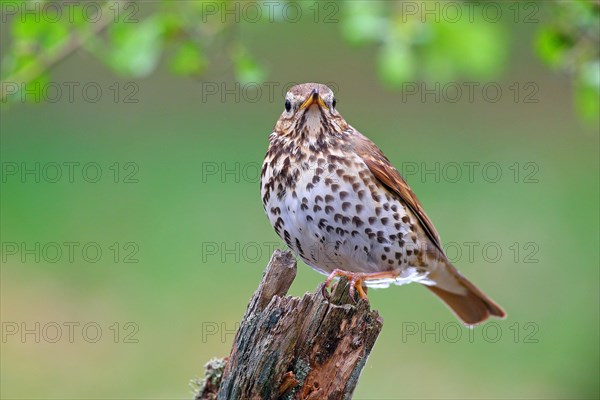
(389,176)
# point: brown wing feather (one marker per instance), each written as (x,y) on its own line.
(389,176)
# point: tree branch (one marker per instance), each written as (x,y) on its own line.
(52,57)
(297,348)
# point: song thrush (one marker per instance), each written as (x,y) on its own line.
(339,204)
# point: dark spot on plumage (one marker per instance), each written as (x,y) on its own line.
(338,217)
(355,186)
(397,225)
(413,237)
(333,159)
(396,216)
(309,218)
(381,239)
(343,195)
(294,195)
(339,172)
(378,211)
(329,228)
(397,256)
(331,168)
(361,194)
(357,222)
(317,208)
(286,236)
(318,198)
(275,210)
(335,187)
(358,208)
(329,198)
(354,233)
(386,249)
(392,237)
(372,220)
(345,220)
(384,220)
(303,207)
(322,223)
(340,231)
(299,246)
(368,230)
(375,197)
(278,223)
(394,207)
(405,219)
(321,140)
(329,209)
(386,206)
(318,171)
(316,179)
(383,257)
(346,205)
(408,252)
(372,235)
(391,262)
(309,186)
(328,181)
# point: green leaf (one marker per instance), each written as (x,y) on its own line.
(587,91)
(135,48)
(476,49)
(188,60)
(363,22)
(44,33)
(395,64)
(552,46)
(247,69)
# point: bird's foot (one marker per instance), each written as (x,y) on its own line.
(356,281)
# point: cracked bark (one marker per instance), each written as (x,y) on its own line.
(297,348)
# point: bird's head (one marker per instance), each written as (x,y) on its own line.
(309,111)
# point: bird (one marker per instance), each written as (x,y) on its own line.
(341,206)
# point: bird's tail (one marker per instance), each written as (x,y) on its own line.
(469,303)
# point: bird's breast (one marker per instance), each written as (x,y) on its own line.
(329,208)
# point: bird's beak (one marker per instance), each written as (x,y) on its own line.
(314,98)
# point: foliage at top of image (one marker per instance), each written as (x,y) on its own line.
(413,43)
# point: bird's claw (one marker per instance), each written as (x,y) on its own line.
(326,295)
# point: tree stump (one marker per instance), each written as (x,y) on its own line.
(296,348)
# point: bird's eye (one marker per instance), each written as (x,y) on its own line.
(288,106)
(333,103)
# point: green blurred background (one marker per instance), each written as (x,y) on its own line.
(186,201)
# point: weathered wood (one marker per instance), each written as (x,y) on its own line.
(298,348)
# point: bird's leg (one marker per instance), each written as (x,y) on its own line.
(356,280)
